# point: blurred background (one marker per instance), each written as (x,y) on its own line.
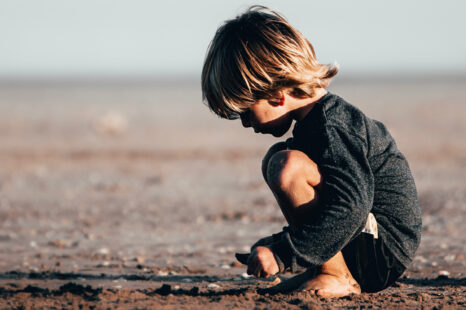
(105,38)
(109,162)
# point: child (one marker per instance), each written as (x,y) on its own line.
(344,188)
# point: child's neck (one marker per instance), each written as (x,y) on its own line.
(302,106)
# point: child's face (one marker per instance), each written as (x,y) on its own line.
(267,117)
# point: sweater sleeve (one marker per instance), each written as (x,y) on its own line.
(345,201)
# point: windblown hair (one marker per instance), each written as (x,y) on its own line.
(253,57)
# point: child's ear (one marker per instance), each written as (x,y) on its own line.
(279,100)
(282,98)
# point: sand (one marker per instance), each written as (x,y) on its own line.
(133,195)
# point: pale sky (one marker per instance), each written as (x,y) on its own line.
(50,38)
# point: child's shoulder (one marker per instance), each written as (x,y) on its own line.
(338,112)
(343,117)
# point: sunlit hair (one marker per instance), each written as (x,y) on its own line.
(253,57)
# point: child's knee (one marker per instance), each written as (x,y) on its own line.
(290,167)
(277,147)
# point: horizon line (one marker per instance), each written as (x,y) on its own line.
(191,79)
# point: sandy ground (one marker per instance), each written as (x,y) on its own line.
(133,195)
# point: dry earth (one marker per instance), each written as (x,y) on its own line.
(133,195)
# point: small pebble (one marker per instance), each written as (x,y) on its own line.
(225,266)
(244,275)
(162,273)
(187,280)
(443,274)
(164,290)
(213,286)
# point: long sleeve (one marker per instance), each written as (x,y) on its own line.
(346,199)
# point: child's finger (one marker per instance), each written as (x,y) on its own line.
(242,258)
(263,274)
(251,268)
(258,269)
(254,267)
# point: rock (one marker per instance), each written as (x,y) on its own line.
(164,290)
(194,291)
(213,286)
(162,273)
(244,275)
(443,274)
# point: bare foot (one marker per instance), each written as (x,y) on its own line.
(331,279)
(326,285)
(290,284)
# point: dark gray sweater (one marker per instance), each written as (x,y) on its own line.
(363,171)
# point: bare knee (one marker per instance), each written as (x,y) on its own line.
(289,168)
(277,147)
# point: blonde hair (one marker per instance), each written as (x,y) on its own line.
(253,57)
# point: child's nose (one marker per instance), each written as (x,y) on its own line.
(245,119)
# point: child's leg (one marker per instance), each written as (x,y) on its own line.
(294,180)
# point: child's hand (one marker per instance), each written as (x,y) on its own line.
(262,263)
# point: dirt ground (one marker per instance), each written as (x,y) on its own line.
(133,195)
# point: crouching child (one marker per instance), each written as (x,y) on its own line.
(344,188)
